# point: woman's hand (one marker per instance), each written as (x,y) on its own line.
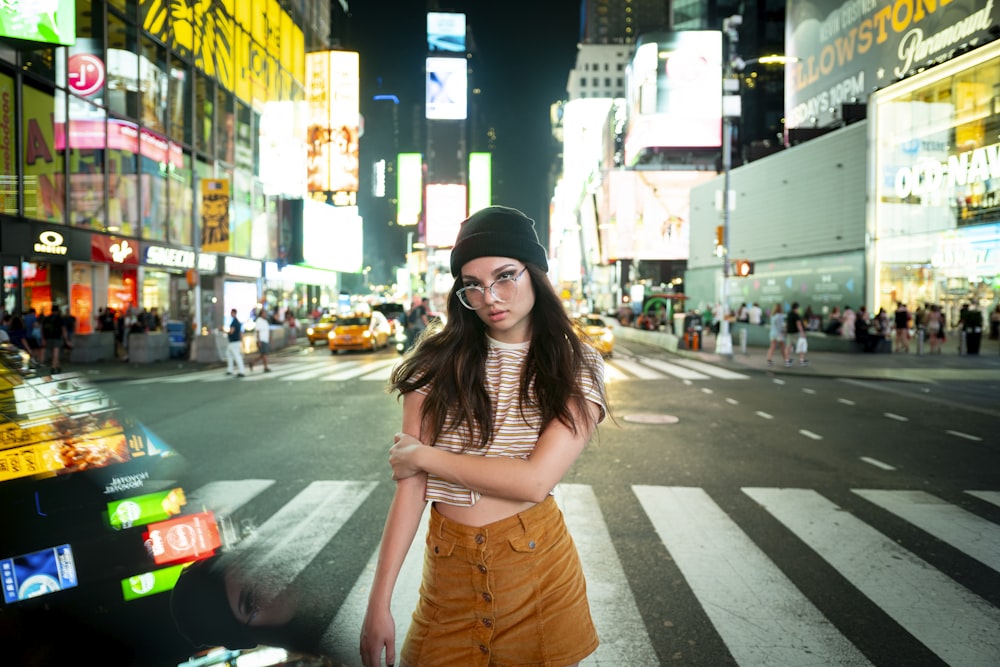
(378,638)
(402,456)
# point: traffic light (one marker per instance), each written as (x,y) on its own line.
(742,268)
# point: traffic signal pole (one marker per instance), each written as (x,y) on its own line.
(730,110)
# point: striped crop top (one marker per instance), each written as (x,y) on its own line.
(515,434)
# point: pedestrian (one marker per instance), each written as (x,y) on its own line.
(506,397)
(262,326)
(234,351)
(416,321)
(935,328)
(777,335)
(5,324)
(756,314)
(901,323)
(34,341)
(995,323)
(795,331)
(54,334)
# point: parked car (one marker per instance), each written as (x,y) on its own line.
(369,331)
(319,331)
(592,329)
(395,313)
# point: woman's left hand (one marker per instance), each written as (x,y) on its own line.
(402,456)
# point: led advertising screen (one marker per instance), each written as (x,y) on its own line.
(334,118)
(675,92)
(446,32)
(480,180)
(447,88)
(283,153)
(46,21)
(446,209)
(409,188)
(329,237)
(38,573)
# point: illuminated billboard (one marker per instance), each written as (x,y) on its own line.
(324,236)
(332,95)
(480,180)
(446,209)
(675,92)
(409,188)
(446,32)
(650,214)
(47,21)
(283,153)
(447,87)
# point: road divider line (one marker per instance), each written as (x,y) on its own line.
(989,496)
(732,401)
(763,415)
(959,434)
(875,462)
(846,401)
(892,577)
(706,390)
(899,418)
(729,575)
(807,390)
(810,434)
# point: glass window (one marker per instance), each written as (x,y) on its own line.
(181,194)
(87,141)
(204,106)
(41,62)
(44,155)
(180,101)
(244,138)
(153,165)
(123,68)
(203,170)
(123,179)
(126,7)
(240,224)
(153,85)
(225,133)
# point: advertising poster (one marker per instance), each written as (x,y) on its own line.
(214,215)
(332,93)
(46,21)
(38,573)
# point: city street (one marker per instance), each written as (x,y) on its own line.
(729,515)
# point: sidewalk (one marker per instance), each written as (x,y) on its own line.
(904,367)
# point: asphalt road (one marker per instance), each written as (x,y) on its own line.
(723,517)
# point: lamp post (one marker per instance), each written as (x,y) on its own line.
(731,110)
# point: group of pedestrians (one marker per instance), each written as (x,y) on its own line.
(46,338)
(787,335)
(234,348)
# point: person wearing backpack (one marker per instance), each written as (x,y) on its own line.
(54,336)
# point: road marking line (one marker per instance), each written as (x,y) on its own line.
(763,415)
(846,401)
(624,639)
(959,434)
(899,418)
(675,370)
(722,373)
(638,370)
(989,496)
(877,463)
(706,390)
(613,374)
(730,575)
(970,534)
(810,434)
(732,401)
(959,626)
(356,371)
(778,381)
(807,390)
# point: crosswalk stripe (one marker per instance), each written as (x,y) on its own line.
(988,496)
(624,640)
(675,370)
(345,629)
(362,372)
(613,374)
(962,529)
(226,496)
(759,613)
(638,370)
(714,371)
(959,626)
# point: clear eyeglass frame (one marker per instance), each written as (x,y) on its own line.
(473,294)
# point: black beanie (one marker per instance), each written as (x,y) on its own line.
(497,231)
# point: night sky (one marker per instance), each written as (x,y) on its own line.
(526,50)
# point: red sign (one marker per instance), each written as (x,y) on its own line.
(85,74)
(113,249)
(183,539)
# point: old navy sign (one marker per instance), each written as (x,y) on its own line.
(169,257)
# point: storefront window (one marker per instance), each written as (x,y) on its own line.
(180,101)
(244,138)
(204,105)
(123,291)
(126,7)
(81,296)
(87,140)
(181,195)
(44,151)
(937,212)
(156,291)
(153,85)
(123,68)
(11,287)
(123,179)
(41,62)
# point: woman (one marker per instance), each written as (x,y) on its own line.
(777,335)
(497,406)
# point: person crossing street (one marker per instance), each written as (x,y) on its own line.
(234,351)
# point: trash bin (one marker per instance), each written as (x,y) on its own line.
(693,325)
(178,339)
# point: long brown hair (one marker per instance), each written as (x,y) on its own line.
(450,361)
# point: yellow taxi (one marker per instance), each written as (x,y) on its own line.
(319,331)
(361,331)
(593,330)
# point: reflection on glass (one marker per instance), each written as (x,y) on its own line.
(87,137)
(153,85)
(44,149)
(180,100)
(123,68)
(181,195)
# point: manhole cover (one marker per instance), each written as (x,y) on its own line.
(651,419)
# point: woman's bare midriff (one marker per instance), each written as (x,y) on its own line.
(485,511)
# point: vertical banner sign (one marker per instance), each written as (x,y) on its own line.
(332,93)
(214,215)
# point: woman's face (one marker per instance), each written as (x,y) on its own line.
(507,321)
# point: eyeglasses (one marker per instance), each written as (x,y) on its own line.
(502,289)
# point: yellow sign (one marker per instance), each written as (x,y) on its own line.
(214,215)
